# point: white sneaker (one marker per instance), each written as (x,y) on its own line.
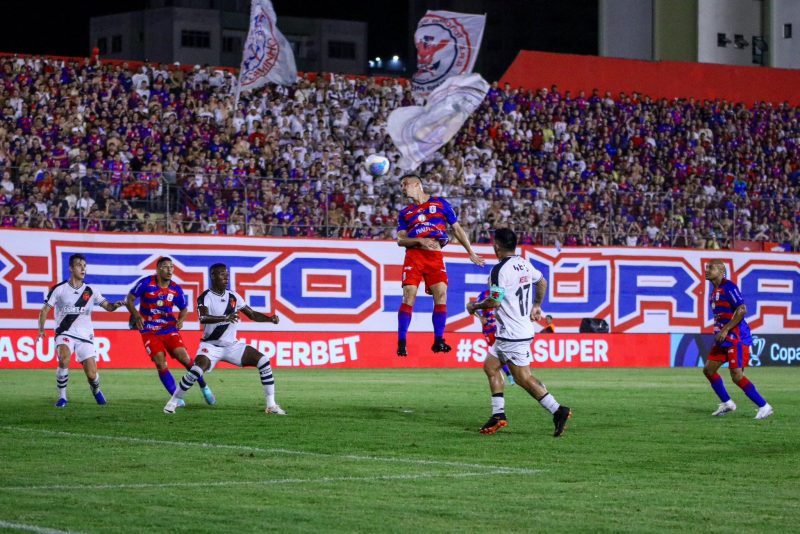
(171,406)
(275,409)
(724,408)
(764,412)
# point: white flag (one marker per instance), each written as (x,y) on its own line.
(267,55)
(447,45)
(419,131)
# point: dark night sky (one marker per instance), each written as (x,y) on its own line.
(65,30)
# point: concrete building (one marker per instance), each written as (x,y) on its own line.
(731,32)
(213,32)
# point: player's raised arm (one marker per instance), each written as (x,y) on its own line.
(462,238)
(259,317)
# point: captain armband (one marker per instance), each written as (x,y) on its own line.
(496,293)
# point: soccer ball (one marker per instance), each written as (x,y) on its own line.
(377,165)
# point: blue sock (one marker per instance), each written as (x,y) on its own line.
(167,379)
(719,387)
(750,390)
(506,370)
(403,321)
(439,320)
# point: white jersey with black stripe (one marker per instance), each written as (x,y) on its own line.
(220,304)
(512,283)
(73,309)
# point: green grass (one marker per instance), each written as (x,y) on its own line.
(398,451)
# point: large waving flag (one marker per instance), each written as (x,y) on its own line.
(419,131)
(267,55)
(447,45)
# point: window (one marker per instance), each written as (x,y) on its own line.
(787,31)
(231,44)
(341,50)
(195,39)
(102,45)
(116,44)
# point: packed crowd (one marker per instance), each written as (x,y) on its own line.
(101,147)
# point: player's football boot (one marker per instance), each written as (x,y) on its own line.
(171,406)
(560,420)
(764,412)
(495,423)
(60,403)
(181,403)
(99,397)
(510,379)
(275,409)
(401,348)
(724,408)
(208,396)
(440,346)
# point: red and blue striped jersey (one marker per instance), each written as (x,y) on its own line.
(490,326)
(429,219)
(724,300)
(156,302)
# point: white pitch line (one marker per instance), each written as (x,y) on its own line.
(33,528)
(268,482)
(247,448)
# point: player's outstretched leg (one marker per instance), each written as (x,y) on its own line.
(764,408)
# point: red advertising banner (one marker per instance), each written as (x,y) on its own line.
(122,349)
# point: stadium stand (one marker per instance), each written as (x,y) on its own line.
(161,149)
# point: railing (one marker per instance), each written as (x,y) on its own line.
(236,203)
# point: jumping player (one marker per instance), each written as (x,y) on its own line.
(422,230)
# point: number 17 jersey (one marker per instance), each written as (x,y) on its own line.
(512,283)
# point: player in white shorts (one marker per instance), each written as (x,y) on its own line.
(219,310)
(516,292)
(73,302)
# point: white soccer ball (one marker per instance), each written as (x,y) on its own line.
(377,165)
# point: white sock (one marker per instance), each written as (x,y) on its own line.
(62,377)
(549,403)
(498,403)
(188,380)
(95,384)
(267,380)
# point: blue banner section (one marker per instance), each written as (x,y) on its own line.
(690,350)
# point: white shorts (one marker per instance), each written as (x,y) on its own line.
(516,352)
(83,349)
(231,353)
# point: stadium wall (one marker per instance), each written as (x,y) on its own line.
(658,79)
(338,300)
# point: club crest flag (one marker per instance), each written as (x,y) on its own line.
(419,131)
(447,45)
(267,55)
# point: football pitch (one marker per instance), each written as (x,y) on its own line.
(398,451)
